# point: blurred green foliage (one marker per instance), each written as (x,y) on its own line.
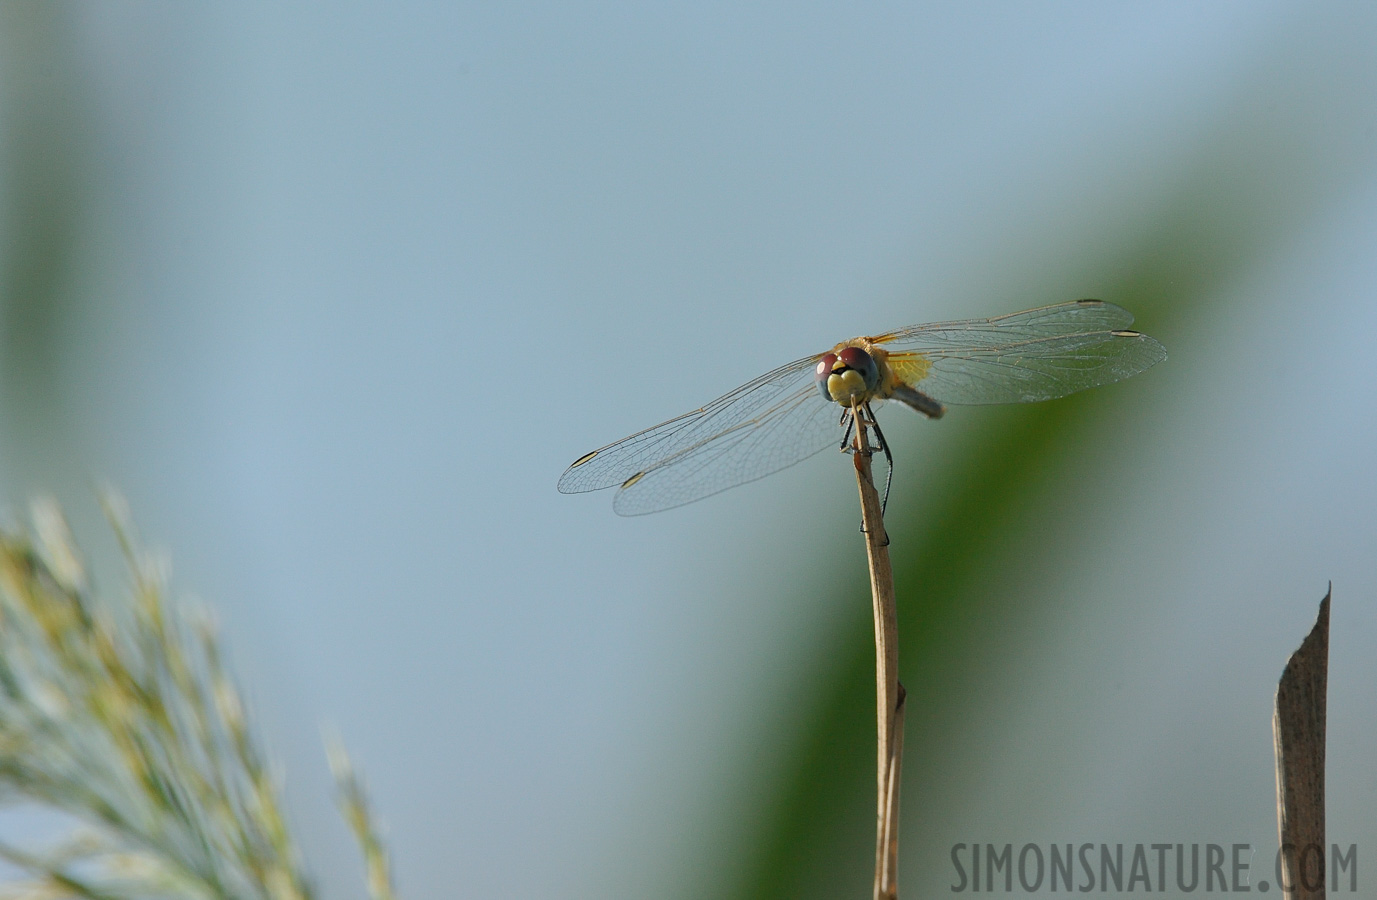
(47,141)
(1254,185)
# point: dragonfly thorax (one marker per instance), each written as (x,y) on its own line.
(848,375)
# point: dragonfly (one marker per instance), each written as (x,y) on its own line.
(810,404)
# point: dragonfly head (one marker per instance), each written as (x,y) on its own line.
(846,375)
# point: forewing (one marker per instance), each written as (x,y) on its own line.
(731,414)
(1076,317)
(794,426)
(1023,357)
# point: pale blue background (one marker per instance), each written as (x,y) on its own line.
(346,286)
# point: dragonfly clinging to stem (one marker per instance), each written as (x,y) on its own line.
(805,406)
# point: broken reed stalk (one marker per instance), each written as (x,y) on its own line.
(1298,728)
(889,693)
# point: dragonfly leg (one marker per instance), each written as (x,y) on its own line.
(848,419)
(884,448)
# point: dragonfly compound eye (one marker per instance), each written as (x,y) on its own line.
(857,359)
(823,370)
(847,376)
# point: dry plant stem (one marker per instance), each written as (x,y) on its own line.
(1298,727)
(889,694)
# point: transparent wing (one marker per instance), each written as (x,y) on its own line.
(761,427)
(1076,317)
(1023,357)
(793,429)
